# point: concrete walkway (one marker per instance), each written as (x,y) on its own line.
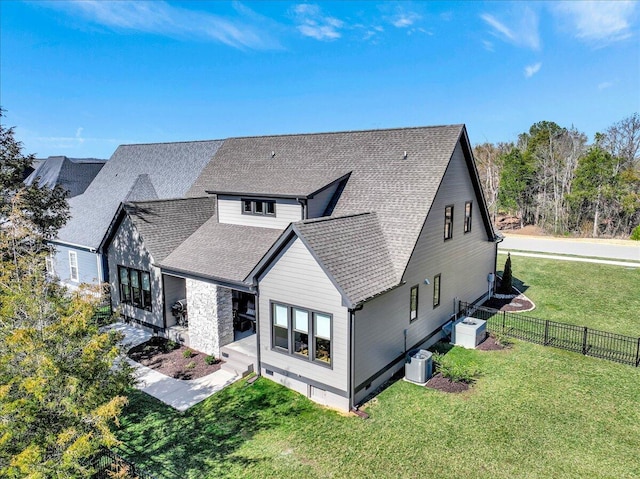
(177,393)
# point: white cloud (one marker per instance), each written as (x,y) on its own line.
(531,70)
(161,18)
(313,23)
(488,45)
(604,85)
(596,21)
(79,135)
(404,19)
(521,30)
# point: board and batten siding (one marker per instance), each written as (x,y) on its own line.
(464,262)
(87,266)
(295,278)
(230,212)
(317,205)
(127,249)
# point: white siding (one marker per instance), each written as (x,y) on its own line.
(317,205)
(463,262)
(87,265)
(127,249)
(295,278)
(230,211)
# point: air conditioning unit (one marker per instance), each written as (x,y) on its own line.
(418,367)
(469,332)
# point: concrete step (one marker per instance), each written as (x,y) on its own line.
(237,366)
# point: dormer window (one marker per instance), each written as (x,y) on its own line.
(258,207)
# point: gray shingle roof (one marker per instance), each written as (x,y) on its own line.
(73,174)
(221,251)
(399,189)
(170,169)
(353,251)
(165,224)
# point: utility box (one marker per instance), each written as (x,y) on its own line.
(418,366)
(469,332)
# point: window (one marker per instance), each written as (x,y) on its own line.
(436,291)
(301,332)
(73,266)
(467,216)
(258,207)
(291,327)
(448,222)
(413,304)
(48,264)
(135,287)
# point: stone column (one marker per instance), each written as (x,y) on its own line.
(210,313)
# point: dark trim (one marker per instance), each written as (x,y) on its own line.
(227,283)
(417,289)
(395,361)
(311,347)
(306,380)
(439,276)
(464,217)
(129,319)
(444,233)
(254,202)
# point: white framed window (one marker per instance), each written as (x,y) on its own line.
(48,264)
(73,266)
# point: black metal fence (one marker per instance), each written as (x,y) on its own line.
(108,465)
(581,339)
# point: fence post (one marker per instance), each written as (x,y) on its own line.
(504,314)
(584,341)
(546,332)
(638,354)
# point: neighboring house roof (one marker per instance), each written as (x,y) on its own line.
(164,224)
(221,251)
(72,174)
(160,170)
(353,252)
(395,173)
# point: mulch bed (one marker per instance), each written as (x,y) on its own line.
(490,344)
(518,303)
(446,385)
(158,354)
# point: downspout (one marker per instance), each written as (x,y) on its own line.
(259,367)
(350,388)
(305,209)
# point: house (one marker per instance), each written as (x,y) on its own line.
(133,173)
(341,251)
(73,174)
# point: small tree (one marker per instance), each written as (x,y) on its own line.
(62,384)
(506,284)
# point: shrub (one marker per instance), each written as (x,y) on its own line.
(171,345)
(187,353)
(506,283)
(210,360)
(502,339)
(455,371)
(635,233)
(191,365)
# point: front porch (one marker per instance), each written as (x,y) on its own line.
(206,316)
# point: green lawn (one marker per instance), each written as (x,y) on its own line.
(600,296)
(534,412)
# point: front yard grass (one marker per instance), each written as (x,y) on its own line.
(534,412)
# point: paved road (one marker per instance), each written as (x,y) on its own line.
(616,249)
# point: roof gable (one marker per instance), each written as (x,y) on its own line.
(393,172)
(168,168)
(353,253)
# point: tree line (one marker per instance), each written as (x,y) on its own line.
(551,177)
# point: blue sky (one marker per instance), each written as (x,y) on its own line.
(80,78)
